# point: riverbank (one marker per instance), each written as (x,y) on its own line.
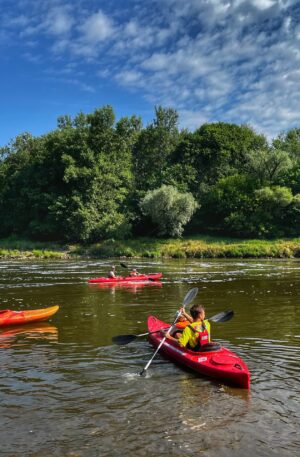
(189,247)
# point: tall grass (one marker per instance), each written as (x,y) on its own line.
(20,248)
(200,246)
(196,247)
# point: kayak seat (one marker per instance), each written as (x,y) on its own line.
(210,347)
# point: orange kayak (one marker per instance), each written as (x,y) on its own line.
(9,317)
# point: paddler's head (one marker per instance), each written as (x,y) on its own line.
(197,312)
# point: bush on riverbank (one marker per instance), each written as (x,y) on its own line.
(193,247)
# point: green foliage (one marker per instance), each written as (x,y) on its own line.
(289,142)
(269,210)
(228,204)
(193,247)
(151,153)
(70,184)
(274,197)
(169,209)
(268,165)
(216,151)
(84,181)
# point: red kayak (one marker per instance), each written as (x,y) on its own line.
(128,285)
(218,363)
(121,279)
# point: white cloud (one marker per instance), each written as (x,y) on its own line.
(129,77)
(263,4)
(97,28)
(231,60)
(18,21)
(192,119)
(59,21)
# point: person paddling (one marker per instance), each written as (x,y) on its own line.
(195,334)
(112,272)
(134,272)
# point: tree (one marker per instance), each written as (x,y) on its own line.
(227,205)
(292,217)
(98,179)
(289,142)
(268,165)
(168,209)
(152,150)
(70,184)
(215,151)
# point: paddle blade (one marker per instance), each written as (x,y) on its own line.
(123,339)
(224,316)
(190,296)
(123,265)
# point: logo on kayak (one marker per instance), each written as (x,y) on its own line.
(202,359)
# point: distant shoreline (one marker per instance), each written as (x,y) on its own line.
(200,246)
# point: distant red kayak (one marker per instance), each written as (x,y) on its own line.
(128,285)
(221,364)
(121,279)
(9,317)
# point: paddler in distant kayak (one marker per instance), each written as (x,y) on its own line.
(196,333)
(112,272)
(134,272)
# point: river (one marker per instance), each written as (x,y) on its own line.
(67,391)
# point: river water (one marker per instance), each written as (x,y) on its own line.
(66,390)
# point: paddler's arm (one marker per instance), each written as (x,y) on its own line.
(183,340)
(186,315)
(169,337)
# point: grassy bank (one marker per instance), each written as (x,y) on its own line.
(192,247)
(15,248)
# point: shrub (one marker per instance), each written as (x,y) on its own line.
(169,209)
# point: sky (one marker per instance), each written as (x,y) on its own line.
(213,60)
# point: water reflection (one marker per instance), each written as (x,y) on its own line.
(41,331)
(133,287)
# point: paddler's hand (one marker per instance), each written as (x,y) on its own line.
(185,315)
(168,336)
(182,313)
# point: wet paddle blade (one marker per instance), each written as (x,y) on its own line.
(224,316)
(190,296)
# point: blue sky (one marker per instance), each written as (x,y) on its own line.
(213,60)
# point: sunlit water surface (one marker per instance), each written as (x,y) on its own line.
(67,391)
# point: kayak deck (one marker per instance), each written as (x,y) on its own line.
(221,364)
(124,279)
(9,317)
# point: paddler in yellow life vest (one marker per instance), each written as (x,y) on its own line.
(195,334)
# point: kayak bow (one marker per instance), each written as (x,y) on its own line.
(221,364)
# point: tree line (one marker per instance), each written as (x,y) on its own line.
(97,178)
